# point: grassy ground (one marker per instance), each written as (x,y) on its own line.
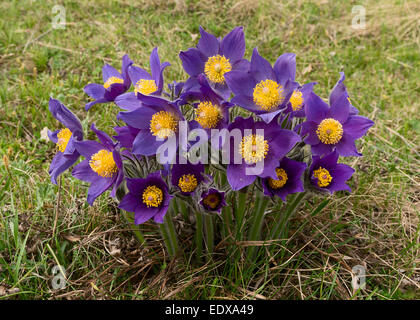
(376,226)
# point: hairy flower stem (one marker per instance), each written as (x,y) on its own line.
(129,218)
(239,214)
(257,220)
(169,235)
(209,233)
(199,235)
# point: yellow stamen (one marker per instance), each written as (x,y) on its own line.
(145,86)
(187,183)
(268,94)
(63,136)
(330,131)
(152,196)
(216,67)
(323,176)
(112,80)
(280,181)
(296,100)
(103,163)
(253,148)
(164,124)
(208,115)
(212,200)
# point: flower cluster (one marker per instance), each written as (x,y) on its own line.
(259,125)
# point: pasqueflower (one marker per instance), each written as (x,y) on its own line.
(115,84)
(147,198)
(213,200)
(261,146)
(333,128)
(289,179)
(126,135)
(102,167)
(64,138)
(187,177)
(144,83)
(326,174)
(215,57)
(264,90)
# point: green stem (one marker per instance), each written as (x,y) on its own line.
(257,223)
(169,234)
(239,214)
(199,235)
(209,232)
(129,217)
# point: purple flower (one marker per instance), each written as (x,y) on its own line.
(187,176)
(212,112)
(144,83)
(259,150)
(147,198)
(102,167)
(67,155)
(158,120)
(215,57)
(288,181)
(333,128)
(339,90)
(126,135)
(264,90)
(213,200)
(297,101)
(326,174)
(115,83)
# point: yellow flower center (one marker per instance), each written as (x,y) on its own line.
(253,148)
(212,200)
(330,131)
(268,94)
(296,100)
(145,86)
(112,80)
(152,196)
(208,115)
(323,176)
(216,67)
(280,181)
(164,124)
(103,163)
(63,136)
(187,183)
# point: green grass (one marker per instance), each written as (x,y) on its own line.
(376,226)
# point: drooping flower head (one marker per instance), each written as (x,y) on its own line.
(264,90)
(102,166)
(158,120)
(144,83)
(64,138)
(326,174)
(333,128)
(187,177)
(261,146)
(147,198)
(115,84)
(215,57)
(289,179)
(213,200)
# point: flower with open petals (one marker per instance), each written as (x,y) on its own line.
(213,200)
(326,174)
(115,84)
(144,83)
(264,90)
(102,167)
(259,151)
(289,179)
(147,198)
(215,57)
(64,138)
(158,120)
(333,128)
(187,177)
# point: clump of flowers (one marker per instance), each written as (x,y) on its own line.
(234,127)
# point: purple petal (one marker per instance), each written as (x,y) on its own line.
(192,61)
(237,177)
(108,72)
(138,118)
(316,109)
(88,148)
(321,149)
(137,73)
(103,137)
(208,44)
(84,172)
(260,68)
(128,101)
(241,83)
(357,126)
(65,116)
(285,67)
(130,202)
(98,187)
(94,90)
(309,128)
(233,45)
(146,144)
(346,147)
(126,63)
(61,163)
(340,109)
